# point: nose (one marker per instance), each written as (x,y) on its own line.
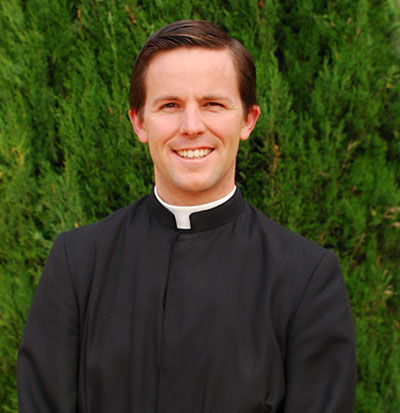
(192,121)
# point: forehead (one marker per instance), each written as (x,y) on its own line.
(197,70)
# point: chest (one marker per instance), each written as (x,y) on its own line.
(185,322)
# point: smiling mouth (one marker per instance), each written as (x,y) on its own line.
(194,154)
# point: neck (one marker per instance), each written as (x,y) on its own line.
(192,198)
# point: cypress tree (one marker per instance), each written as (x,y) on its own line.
(323,159)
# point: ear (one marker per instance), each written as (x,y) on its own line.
(250,122)
(138,125)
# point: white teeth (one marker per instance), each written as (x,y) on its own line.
(197,153)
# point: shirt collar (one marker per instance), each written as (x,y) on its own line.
(182,213)
(202,220)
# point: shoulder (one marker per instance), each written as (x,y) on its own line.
(298,270)
(81,247)
(82,252)
(289,258)
(281,241)
(106,228)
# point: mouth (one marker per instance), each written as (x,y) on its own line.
(195,153)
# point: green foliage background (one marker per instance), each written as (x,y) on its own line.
(323,160)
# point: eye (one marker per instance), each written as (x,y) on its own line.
(214,106)
(169,105)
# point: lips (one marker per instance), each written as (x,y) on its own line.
(195,153)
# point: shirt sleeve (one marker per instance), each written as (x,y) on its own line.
(320,363)
(48,355)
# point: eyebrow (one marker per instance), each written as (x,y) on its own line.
(220,98)
(207,97)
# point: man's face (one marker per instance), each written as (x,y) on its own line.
(193,121)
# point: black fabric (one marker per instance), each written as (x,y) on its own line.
(237,314)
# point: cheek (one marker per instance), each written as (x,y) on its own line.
(163,127)
(228,124)
(227,131)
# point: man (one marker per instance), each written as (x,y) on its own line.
(189,299)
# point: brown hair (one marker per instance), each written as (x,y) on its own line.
(190,34)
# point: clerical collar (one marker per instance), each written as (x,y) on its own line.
(200,221)
(182,213)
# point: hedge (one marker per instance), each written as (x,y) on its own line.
(323,159)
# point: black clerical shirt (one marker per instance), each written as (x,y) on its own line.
(237,314)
